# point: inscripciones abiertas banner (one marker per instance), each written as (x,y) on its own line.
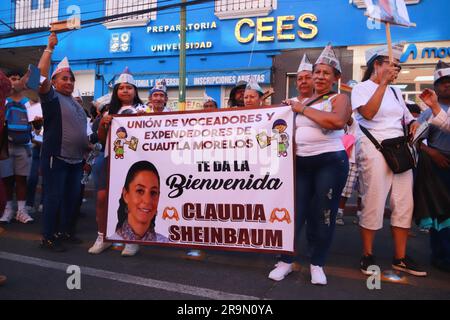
(221,179)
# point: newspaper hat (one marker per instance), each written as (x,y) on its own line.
(329,57)
(253,85)
(160,86)
(305,65)
(102,102)
(125,77)
(442,70)
(61,67)
(373,53)
(207,98)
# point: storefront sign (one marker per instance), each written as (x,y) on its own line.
(218,179)
(265,28)
(411,52)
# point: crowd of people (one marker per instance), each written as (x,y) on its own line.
(342,144)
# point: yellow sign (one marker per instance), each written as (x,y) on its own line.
(284,28)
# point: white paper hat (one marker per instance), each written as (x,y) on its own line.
(126,77)
(329,57)
(207,98)
(101,102)
(159,86)
(397,51)
(442,70)
(62,66)
(305,65)
(253,85)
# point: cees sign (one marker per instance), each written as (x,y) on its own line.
(427,53)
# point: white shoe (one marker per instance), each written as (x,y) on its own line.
(130,250)
(7,216)
(99,245)
(317,275)
(23,216)
(282,269)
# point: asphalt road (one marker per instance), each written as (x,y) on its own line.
(165,273)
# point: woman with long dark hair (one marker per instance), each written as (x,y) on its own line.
(124,100)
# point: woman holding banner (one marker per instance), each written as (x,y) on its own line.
(139,204)
(124,100)
(382,114)
(321,164)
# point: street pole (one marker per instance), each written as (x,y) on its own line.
(182,80)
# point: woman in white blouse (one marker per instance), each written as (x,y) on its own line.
(381,109)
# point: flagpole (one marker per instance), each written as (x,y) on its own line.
(389,41)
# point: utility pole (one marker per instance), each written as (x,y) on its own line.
(182,80)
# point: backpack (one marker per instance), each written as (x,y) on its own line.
(19,129)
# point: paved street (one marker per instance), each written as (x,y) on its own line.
(165,273)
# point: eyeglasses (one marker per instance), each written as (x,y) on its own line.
(395,64)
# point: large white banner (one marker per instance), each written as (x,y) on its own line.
(222,179)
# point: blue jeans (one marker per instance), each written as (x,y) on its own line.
(62,191)
(97,172)
(319,183)
(33,177)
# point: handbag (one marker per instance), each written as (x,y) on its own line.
(396,152)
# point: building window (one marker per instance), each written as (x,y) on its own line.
(232,9)
(114,7)
(360,3)
(33,14)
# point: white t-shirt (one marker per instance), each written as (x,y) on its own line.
(387,123)
(311,139)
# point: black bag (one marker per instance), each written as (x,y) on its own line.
(396,152)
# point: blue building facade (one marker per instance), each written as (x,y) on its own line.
(227,40)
